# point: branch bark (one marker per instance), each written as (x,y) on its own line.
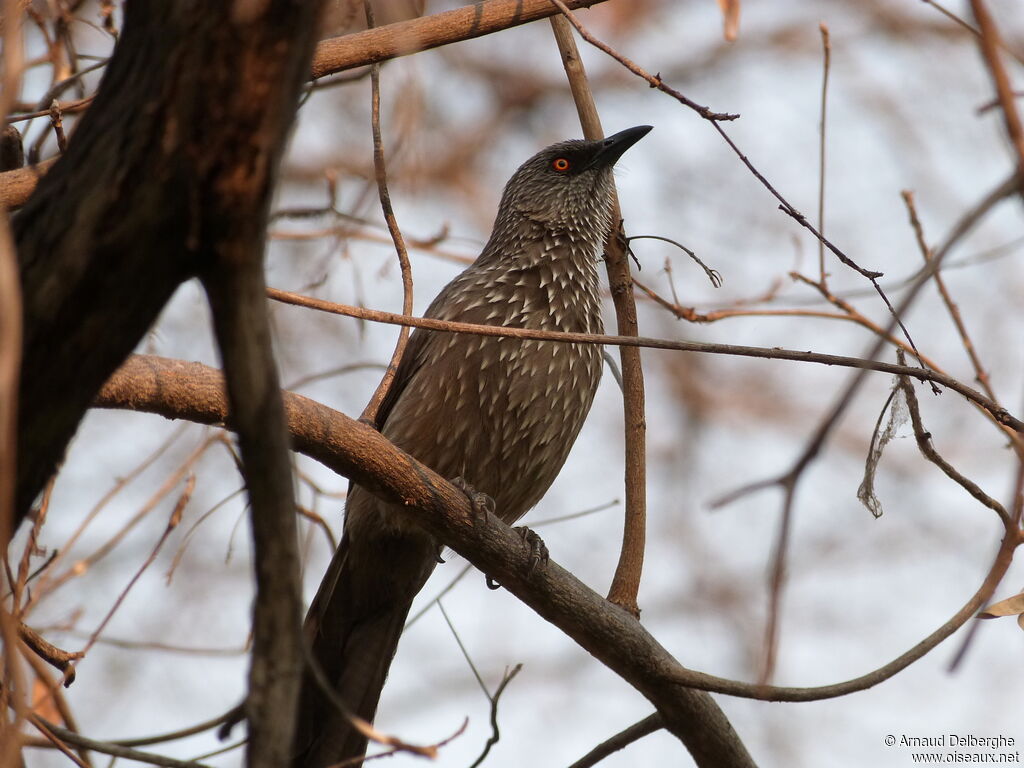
(405,37)
(192,391)
(121,219)
(180,390)
(626,582)
(170,175)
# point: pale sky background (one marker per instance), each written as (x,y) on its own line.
(906,84)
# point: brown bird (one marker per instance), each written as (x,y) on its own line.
(500,414)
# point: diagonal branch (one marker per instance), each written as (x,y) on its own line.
(406,37)
(355,450)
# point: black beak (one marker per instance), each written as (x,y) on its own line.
(611,149)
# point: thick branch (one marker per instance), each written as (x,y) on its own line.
(196,100)
(236,291)
(192,391)
(406,37)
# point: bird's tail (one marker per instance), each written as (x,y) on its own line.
(352,629)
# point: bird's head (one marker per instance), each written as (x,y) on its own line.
(568,185)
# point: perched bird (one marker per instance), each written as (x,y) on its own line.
(500,414)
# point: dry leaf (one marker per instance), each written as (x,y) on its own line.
(43,703)
(1011,606)
(730,18)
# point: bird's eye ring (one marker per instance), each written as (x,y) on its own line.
(560,164)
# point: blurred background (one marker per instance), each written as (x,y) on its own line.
(906,87)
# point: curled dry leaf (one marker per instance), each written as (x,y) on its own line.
(730,18)
(1011,606)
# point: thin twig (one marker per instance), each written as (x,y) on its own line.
(991,42)
(716,121)
(50,732)
(495,733)
(51,654)
(654,81)
(1001,415)
(109,748)
(31,548)
(46,583)
(626,581)
(966,25)
(789,480)
(621,740)
(924,443)
(462,648)
(380,172)
(42,672)
(713,274)
(826,51)
(981,376)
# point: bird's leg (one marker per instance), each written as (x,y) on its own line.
(538,553)
(538,550)
(480,503)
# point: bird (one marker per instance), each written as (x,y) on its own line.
(499,415)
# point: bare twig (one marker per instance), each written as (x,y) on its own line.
(788,481)
(495,733)
(109,748)
(954,311)
(826,50)
(49,731)
(31,549)
(381,173)
(654,81)
(51,654)
(42,672)
(626,581)
(48,585)
(966,25)
(172,523)
(924,443)
(716,121)
(1000,414)
(991,42)
(621,740)
(713,274)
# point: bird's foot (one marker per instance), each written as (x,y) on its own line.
(480,503)
(539,554)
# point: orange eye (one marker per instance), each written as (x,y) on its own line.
(560,164)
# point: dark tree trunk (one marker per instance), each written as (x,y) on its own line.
(175,158)
(169,175)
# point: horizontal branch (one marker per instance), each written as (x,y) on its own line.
(17,185)
(999,413)
(405,37)
(359,49)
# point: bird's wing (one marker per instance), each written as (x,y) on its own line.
(448,305)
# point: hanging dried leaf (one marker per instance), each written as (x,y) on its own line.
(1011,606)
(897,409)
(730,18)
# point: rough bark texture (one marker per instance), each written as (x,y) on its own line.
(169,175)
(176,389)
(187,124)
